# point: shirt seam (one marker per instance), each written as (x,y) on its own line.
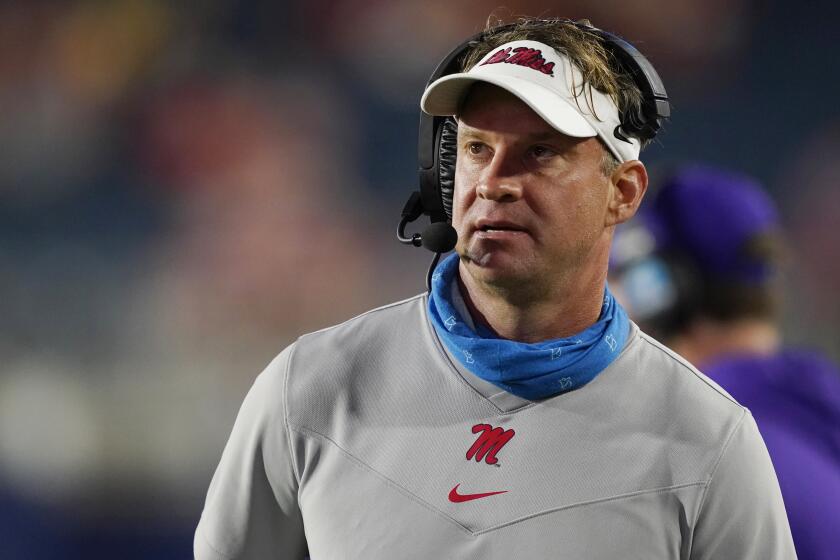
(390,482)
(461,526)
(585,503)
(685,365)
(286,426)
(213,547)
(361,315)
(717,463)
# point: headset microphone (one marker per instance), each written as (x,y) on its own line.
(440,237)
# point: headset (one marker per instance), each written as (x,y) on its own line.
(437,146)
(662,290)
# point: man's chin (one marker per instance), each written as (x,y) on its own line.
(495,268)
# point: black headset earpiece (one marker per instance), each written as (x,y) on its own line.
(647,120)
(447,153)
(688,297)
(436,144)
(662,291)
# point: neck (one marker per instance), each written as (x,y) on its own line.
(560,312)
(705,339)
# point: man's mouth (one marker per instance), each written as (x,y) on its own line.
(488,226)
(494,228)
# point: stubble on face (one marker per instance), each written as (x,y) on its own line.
(514,275)
(477,255)
(522,282)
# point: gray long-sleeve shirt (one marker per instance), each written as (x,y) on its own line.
(369,437)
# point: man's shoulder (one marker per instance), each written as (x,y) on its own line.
(348,345)
(359,360)
(673,367)
(375,322)
(687,403)
(348,337)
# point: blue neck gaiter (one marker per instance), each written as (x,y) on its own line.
(528,370)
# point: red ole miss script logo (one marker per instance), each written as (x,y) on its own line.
(522,56)
(488,443)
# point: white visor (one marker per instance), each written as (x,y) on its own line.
(548,83)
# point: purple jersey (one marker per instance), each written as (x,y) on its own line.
(794,397)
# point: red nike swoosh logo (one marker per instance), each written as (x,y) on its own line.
(457,498)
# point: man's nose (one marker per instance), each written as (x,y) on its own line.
(499,181)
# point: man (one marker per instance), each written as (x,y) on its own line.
(706,282)
(514,411)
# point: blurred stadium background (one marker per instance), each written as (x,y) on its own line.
(187,186)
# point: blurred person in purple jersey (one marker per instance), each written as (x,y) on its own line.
(699,270)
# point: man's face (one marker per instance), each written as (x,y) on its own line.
(530,203)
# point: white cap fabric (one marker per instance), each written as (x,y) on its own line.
(547,82)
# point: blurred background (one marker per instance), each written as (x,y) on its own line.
(186,187)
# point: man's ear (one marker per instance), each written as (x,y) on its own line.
(628,184)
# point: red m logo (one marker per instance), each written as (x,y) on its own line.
(488,443)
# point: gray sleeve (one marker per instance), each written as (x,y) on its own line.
(742,516)
(251,508)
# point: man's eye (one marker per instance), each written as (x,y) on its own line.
(542,151)
(475,148)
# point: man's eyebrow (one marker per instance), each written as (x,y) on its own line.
(549,134)
(468,130)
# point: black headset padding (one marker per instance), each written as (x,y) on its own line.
(433,144)
(447,153)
